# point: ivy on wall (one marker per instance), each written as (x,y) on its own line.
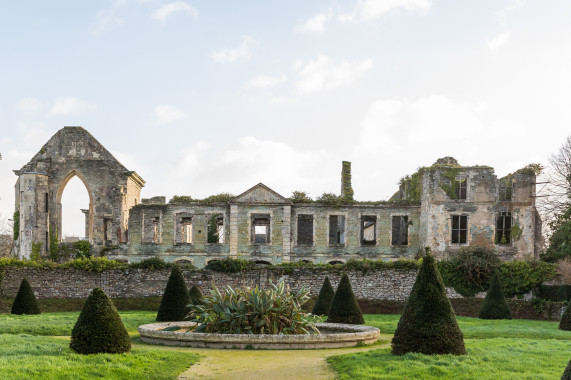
(16,224)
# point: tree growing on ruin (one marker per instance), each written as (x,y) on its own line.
(565,323)
(344,307)
(428,324)
(174,304)
(324,299)
(25,301)
(99,328)
(495,305)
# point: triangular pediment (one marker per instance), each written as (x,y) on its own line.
(259,194)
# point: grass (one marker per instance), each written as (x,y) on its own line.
(497,349)
(53,324)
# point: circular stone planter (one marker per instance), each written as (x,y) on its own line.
(333,335)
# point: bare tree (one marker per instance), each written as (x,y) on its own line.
(6,236)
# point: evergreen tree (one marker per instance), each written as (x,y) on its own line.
(567,373)
(195,295)
(344,307)
(25,301)
(99,328)
(323,302)
(495,305)
(565,323)
(174,304)
(428,324)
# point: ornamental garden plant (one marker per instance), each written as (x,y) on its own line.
(99,328)
(324,298)
(428,324)
(495,305)
(344,307)
(25,301)
(195,295)
(565,323)
(174,304)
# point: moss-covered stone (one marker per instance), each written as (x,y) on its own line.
(344,307)
(428,324)
(25,301)
(565,323)
(174,304)
(323,302)
(495,305)
(99,328)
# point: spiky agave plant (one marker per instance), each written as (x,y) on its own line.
(275,310)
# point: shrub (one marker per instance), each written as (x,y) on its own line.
(174,304)
(195,295)
(230,265)
(495,305)
(567,373)
(324,299)
(520,277)
(556,293)
(152,263)
(82,249)
(276,310)
(428,324)
(99,328)
(565,323)
(94,264)
(25,301)
(344,307)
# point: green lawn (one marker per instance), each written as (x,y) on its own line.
(497,349)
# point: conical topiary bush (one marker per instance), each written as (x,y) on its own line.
(99,328)
(323,302)
(565,323)
(495,305)
(428,324)
(567,372)
(25,301)
(344,307)
(195,295)
(174,304)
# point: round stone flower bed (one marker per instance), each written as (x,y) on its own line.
(332,335)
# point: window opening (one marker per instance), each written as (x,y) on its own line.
(461,186)
(504,228)
(186,230)
(368,230)
(156,222)
(399,230)
(216,229)
(506,189)
(336,229)
(305,229)
(260,229)
(459,229)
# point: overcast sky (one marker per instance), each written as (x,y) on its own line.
(203,97)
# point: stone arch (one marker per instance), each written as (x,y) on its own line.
(334,262)
(112,190)
(184,260)
(262,262)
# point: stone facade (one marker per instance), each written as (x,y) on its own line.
(448,207)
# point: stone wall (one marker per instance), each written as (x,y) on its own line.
(70,283)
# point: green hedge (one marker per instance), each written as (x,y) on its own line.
(556,293)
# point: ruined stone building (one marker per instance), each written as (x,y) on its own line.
(444,207)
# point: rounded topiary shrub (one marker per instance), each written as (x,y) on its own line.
(565,323)
(495,305)
(174,304)
(324,299)
(567,372)
(25,301)
(99,328)
(428,324)
(195,295)
(344,307)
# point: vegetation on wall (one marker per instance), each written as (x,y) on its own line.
(347,189)
(16,225)
(450,184)
(36,254)
(222,197)
(54,245)
(300,197)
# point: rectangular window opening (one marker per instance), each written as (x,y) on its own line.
(216,229)
(461,186)
(260,229)
(459,229)
(368,230)
(156,222)
(186,230)
(336,229)
(505,190)
(305,230)
(399,230)
(503,228)
(46,201)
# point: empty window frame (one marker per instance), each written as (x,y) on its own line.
(216,229)
(459,229)
(504,228)
(399,230)
(186,230)
(260,229)
(368,230)
(461,186)
(156,222)
(151,228)
(336,229)
(305,229)
(505,189)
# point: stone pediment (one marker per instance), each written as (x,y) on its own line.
(259,194)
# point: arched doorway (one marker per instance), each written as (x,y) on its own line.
(74,207)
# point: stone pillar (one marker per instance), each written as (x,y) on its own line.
(86,213)
(286,233)
(233,230)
